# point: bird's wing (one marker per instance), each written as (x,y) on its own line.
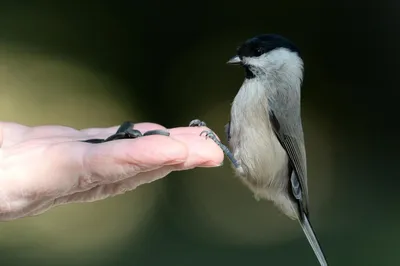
(288,129)
(284,115)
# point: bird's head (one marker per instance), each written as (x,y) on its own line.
(268,54)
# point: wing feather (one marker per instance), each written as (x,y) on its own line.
(290,134)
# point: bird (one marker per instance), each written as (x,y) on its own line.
(265,133)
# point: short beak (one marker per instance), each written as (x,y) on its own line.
(234,61)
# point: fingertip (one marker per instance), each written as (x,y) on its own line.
(174,151)
(213,153)
(212,164)
(153,150)
(202,152)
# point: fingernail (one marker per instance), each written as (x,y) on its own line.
(211,164)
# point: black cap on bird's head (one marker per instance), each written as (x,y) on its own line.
(260,45)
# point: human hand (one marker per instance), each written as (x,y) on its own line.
(42,167)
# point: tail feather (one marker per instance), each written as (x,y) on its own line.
(312,239)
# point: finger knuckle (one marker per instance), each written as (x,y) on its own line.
(87,181)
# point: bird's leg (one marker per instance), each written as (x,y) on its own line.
(210,134)
(126,131)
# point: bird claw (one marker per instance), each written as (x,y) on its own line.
(211,135)
(197,123)
(208,134)
(126,131)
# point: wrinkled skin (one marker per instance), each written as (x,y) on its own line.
(42,167)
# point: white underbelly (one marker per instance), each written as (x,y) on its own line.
(253,142)
(263,162)
(260,155)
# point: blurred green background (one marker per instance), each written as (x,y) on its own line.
(98,63)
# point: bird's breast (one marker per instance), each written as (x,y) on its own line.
(263,161)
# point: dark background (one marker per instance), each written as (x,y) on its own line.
(98,63)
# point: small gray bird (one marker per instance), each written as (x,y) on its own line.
(265,132)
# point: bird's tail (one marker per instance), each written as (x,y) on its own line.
(312,239)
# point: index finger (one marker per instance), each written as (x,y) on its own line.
(115,160)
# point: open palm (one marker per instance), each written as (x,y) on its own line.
(42,167)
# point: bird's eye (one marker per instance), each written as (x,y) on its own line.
(259,51)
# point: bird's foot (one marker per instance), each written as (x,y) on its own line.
(211,135)
(197,123)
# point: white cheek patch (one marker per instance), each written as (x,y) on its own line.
(273,60)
